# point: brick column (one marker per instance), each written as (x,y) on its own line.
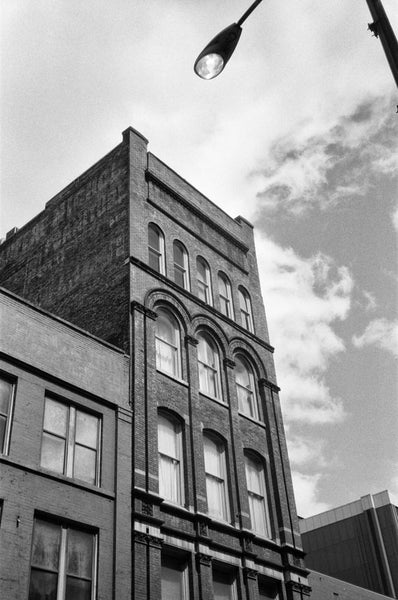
(205,576)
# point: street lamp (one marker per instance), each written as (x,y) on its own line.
(213,58)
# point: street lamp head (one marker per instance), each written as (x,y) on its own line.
(213,58)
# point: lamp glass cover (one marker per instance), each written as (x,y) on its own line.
(209,66)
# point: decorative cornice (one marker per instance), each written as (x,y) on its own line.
(204,559)
(229,363)
(144,310)
(146,538)
(250,573)
(192,341)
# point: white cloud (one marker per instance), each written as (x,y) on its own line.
(305,451)
(380,333)
(394,217)
(303,298)
(306,494)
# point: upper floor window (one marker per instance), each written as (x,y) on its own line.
(246,309)
(224,585)
(171,472)
(245,388)
(181,270)
(174,579)
(209,367)
(6,405)
(168,351)
(62,564)
(204,281)
(225,291)
(156,249)
(70,442)
(216,478)
(256,489)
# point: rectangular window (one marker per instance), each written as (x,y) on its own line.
(174,579)
(63,563)
(224,585)
(6,406)
(267,589)
(171,483)
(70,442)
(259,516)
(216,485)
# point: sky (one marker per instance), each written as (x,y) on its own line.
(299,135)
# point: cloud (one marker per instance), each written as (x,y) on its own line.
(320,165)
(306,493)
(394,217)
(380,333)
(304,297)
(305,452)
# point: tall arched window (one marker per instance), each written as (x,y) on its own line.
(245,388)
(168,349)
(204,280)
(225,292)
(181,269)
(216,478)
(156,257)
(209,367)
(257,491)
(246,309)
(171,470)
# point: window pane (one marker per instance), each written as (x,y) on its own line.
(241,373)
(46,542)
(172,584)
(153,237)
(257,514)
(166,357)
(79,553)
(43,586)
(77,589)
(179,254)
(215,497)
(53,453)
(222,590)
(213,461)
(55,417)
(179,277)
(169,478)
(167,437)
(86,429)
(253,476)
(3,423)
(166,330)
(5,396)
(202,270)
(154,260)
(85,464)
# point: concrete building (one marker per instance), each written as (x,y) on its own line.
(357,543)
(143,453)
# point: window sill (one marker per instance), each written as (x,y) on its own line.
(252,419)
(214,399)
(173,378)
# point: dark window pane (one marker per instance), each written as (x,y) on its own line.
(86,429)
(3,423)
(154,260)
(53,453)
(179,255)
(179,277)
(85,462)
(77,589)
(5,396)
(46,541)
(43,586)
(80,553)
(153,238)
(55,417)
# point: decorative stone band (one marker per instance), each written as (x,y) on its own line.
(137,306)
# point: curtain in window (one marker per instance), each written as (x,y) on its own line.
(245,388)
(257,497)
(167,345)
(208,360)
(215,468)
(169,444)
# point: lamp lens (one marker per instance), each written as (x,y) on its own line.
(209,66)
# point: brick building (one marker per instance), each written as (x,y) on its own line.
(356,542)
(144,454)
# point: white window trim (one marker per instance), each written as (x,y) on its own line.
(246,310)
(211,368)
(206,284)
(264,497)
(184,269)
(251,389)
(228,298)
(223,480)
(161,252)
(9,417)
(179,459)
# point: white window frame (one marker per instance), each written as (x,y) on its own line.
(177,460)
(225,293)
(159,253)
(260,497)
(175,347)
(71,443)
(210,368)
(204,285)
(250,389)
(246,312)
(180,567)
(62,566)
(184,268)
(8,416)
(223,511)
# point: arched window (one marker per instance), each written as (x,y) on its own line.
(245,388)
(209,367)
(168,349)
(171,470)
(246,309)
(225,292)
(257,491)
(216,478)
(156,249)
(181,269)
(204,280)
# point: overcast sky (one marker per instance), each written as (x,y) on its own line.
(298,134)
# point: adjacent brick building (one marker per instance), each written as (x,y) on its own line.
(144,454)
